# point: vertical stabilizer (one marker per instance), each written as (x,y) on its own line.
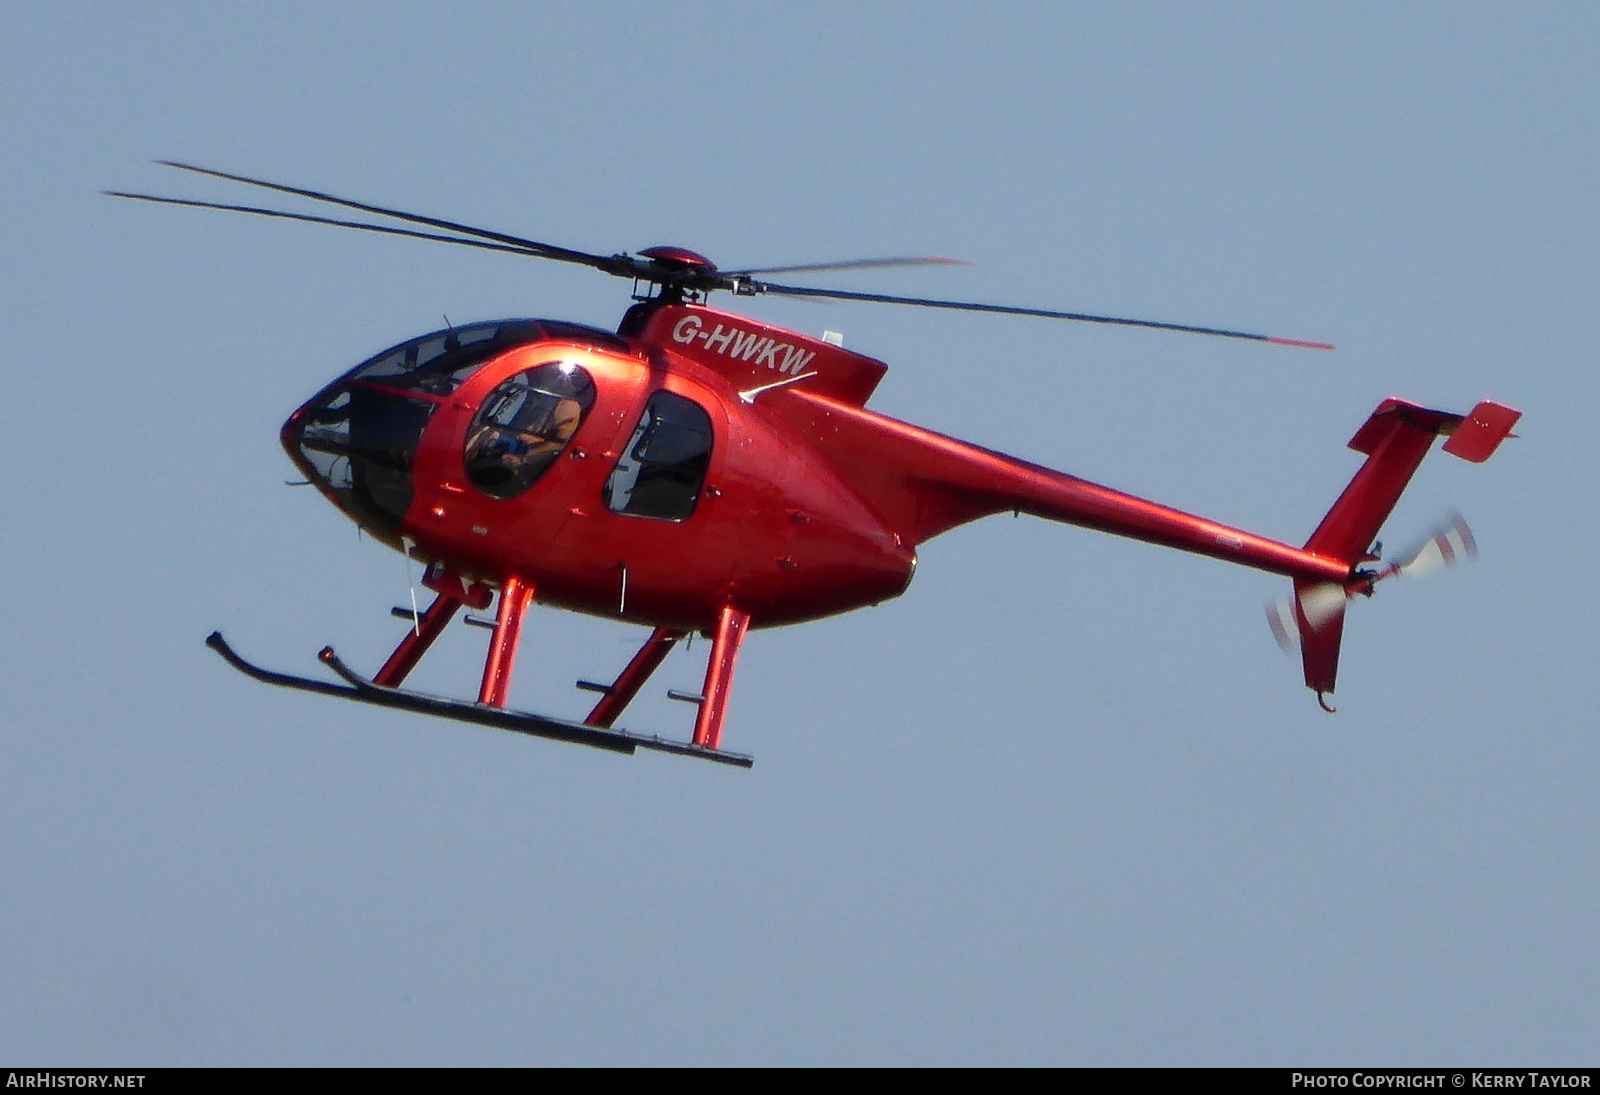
(1394,439)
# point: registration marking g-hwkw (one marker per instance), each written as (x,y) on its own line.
(735,342)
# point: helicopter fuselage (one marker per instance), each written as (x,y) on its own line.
(712,461)
(758,517)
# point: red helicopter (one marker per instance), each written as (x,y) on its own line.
(697,471)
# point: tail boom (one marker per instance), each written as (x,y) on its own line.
(925,483)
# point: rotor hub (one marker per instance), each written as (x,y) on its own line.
(679,258)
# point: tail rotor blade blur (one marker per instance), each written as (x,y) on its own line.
(1321,603)
(1447,546)
(1285,628)
(1319,606)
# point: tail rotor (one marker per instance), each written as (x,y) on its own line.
(1314,616)
(1448,545)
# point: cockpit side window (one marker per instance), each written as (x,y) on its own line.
(663,469)
(524,425)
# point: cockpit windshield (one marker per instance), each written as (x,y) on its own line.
(360,436)
(438,363)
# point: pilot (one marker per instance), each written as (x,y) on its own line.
(561,424)
(527,450)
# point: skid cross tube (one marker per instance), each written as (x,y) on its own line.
(362,690)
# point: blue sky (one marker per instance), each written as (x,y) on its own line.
(1064,802)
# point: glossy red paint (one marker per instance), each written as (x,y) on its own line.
(700,471)
(680,256)
(811,504)
(1477,436)
(516,594)
(732,624)
(776,529)
(754,356)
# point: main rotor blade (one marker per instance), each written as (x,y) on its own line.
(543,250)
(1009,310)
(851,264)
(385,229)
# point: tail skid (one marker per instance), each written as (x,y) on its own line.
(1394,439)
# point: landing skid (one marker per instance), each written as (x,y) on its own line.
(365,690)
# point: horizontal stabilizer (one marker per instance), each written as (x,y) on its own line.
(1481,432)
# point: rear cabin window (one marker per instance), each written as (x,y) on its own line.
(664,467)
(524,425)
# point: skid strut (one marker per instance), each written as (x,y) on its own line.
(363,690)
(515,595)
(417,641)
(632,678)
(731,626)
